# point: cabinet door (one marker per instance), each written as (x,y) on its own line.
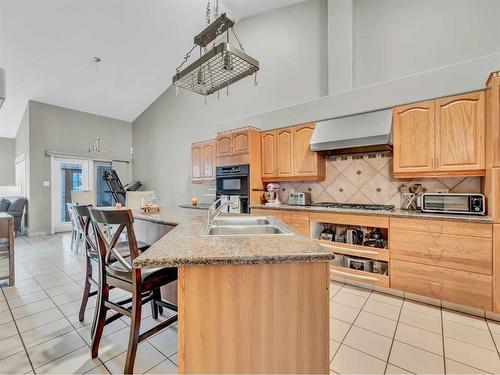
(240,143)
(196,162)
(305,161)
(460,130)
(224,145)
(208,153)
(284,152)
(269,154)
(413,133)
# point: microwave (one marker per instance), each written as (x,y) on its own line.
(453,203)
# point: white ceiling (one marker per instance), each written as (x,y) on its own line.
(47,49)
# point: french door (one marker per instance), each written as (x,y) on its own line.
(68,174)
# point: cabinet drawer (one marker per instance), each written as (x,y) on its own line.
(436,227)
(277,214)
(462,287)
(445,250)
(298,221)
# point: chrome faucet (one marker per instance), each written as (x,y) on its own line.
(214,211)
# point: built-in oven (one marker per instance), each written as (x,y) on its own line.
(233,182)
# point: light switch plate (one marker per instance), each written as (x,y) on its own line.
(45,183)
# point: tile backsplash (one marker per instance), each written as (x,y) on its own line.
(370,180)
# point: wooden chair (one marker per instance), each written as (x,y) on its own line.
(82,214)
(116,270)
(76,231)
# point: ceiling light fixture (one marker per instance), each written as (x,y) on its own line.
(97,146)
(218,67)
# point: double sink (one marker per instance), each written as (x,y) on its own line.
(246,226)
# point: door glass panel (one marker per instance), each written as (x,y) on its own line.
(71,179)
(103,195)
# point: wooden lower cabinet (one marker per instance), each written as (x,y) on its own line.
(496,268)
(298,221)
(472,254)
(277,214)
(462,287)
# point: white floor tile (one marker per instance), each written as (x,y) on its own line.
(369,342)
(352,361)
(76,362)
(334,346)
(386,298)
(376,323)
(32,308)
(10,346)
(465,319)
(38,319)
(453,367)
(474,336)
(46,332)
(349,299)
(420,338)
(166,341)
(422,308)
(338,329)
(5,317)
(53,349)
(362,292)
(27,299)
(382,309)
(421,320)
(471,355)
(146,359)
(98,370)
(391,369)
(416,360)
(166,367)
(343,312)
(7,330)
(16,364)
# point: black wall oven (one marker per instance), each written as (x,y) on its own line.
(233,181)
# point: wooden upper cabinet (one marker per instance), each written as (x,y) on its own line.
(286,155)
(460,132)
(305,161)
(268,144)
(240,142)
(413,137)
(224,145)
(196,161)
(284,152)
(203,161)
(492,94)
(208,154)
(442,137)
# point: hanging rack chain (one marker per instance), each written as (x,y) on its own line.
(207,16)
(216,9)
(237,39)
(185,59)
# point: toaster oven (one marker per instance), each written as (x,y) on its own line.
(453,203)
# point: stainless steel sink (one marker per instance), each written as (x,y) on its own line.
(247,226)
(241,220)
(244,230)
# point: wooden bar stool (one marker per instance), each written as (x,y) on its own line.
(82,214)
(115,270)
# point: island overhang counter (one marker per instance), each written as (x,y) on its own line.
(246,304)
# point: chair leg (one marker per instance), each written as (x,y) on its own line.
(72,239)
(135,326)
(155,309)
(99,318)
(86,290)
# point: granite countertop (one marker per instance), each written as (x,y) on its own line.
(188,245)
(199,206)
(391,213)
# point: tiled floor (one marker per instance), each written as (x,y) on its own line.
(370,332)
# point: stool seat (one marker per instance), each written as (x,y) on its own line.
(165,275)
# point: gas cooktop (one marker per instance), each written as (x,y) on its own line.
(355,206)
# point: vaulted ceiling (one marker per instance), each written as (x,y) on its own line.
(47,49)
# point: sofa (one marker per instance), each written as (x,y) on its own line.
(14,206)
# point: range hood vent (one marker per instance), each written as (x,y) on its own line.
(359,134)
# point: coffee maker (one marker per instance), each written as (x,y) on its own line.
(272,194)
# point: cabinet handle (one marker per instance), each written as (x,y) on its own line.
(361,277)
(358,251)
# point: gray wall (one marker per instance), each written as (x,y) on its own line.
(7,157)
(290,44)
(394,38)
(67,131)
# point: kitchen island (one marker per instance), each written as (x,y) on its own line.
(247,304)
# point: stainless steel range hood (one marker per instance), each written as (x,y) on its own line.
(365,133)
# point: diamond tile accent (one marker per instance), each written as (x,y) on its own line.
(359,172)
(342,189)
(379,189)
